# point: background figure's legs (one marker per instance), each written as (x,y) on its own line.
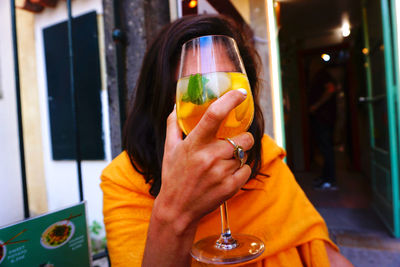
(326,147)
(324,139)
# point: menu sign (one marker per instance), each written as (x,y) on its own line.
(54,239)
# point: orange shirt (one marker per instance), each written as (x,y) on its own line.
(275,209)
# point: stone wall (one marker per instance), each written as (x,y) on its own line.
(138,22)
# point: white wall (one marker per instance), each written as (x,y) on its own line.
(61,176)
(204,7)
(11,209)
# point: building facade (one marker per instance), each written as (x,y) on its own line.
(120,32)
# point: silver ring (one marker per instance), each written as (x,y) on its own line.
(238,153)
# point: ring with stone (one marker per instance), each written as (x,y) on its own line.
(238,153)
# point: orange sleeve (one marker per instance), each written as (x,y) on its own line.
(274,209)
(126,217)
(314,253)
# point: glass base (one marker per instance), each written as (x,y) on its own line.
(247,248)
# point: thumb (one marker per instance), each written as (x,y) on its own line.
(174,133)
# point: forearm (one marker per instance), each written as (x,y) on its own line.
(198,174)
(325,97)
(330,90)
(169,240)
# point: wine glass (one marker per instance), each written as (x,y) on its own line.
(210,66)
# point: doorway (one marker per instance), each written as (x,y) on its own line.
(346,124)
(353,42)
(306,48)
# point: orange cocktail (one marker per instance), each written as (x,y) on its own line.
(211,66)
(196,92)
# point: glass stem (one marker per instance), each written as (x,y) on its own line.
(224,220)
(225,241)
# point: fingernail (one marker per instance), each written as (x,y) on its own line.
(243,91)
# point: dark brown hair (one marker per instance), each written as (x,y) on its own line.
(154,97)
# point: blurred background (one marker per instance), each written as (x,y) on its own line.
(68,70)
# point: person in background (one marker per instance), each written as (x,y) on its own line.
(323,118)
(163,192)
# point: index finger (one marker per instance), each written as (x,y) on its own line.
(174,133)
(209,124)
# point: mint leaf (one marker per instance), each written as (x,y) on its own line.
(210,94)
(185,97)
(195,89)
(197,92)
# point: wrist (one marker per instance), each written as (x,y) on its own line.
(166,216)
(169,237)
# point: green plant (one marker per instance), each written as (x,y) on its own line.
(95,228)
(97,241)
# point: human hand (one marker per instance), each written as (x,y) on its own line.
(199,173)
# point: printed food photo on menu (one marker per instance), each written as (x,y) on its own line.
(57,234)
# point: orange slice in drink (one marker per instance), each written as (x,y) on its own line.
(231,120)
(239,80)
(185,110)
(241,110)
(188,109)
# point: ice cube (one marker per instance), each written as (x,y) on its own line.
(217,82)
(183,85)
